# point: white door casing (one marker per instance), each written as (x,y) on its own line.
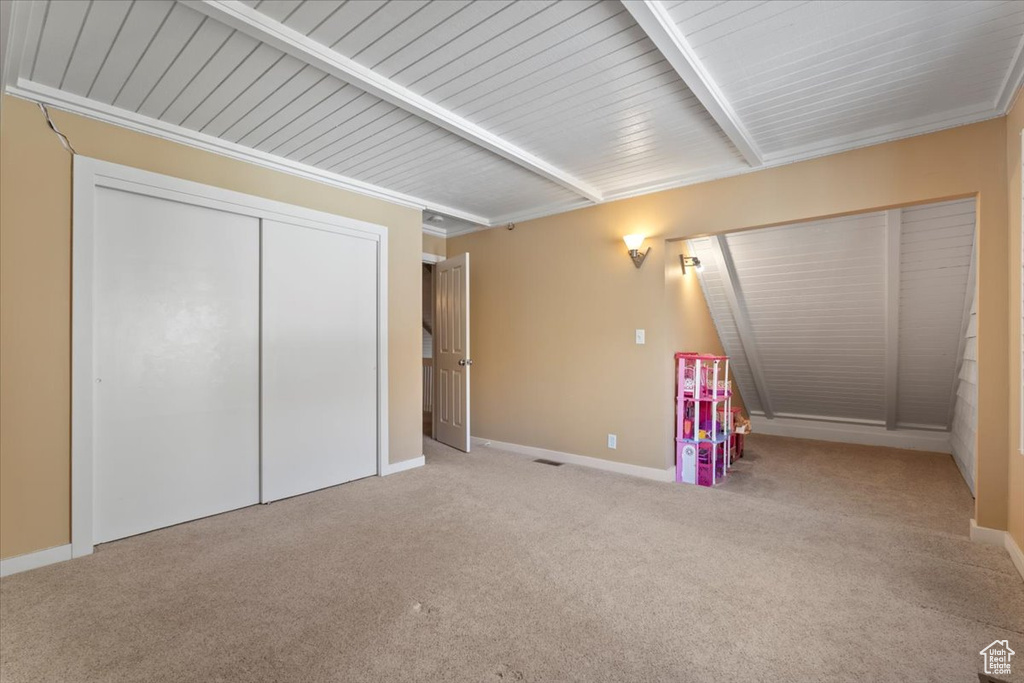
(319,389)
(452,362)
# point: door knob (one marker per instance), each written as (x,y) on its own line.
(465,361)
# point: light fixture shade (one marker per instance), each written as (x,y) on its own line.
(633,242)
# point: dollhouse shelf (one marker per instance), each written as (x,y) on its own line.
(705,421)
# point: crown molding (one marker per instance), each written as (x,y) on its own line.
(930,123)
(76,104)
(434,230)
(35,92)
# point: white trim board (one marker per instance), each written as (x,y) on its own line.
(1002,539)
(434,231)
(431,258)
(1011,81)
(40,558)
(403,465)
(90,174)
(849,432)
(653,473)
(34,92)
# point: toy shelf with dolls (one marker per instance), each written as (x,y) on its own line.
(706,422)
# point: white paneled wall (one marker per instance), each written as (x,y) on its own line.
(965,411)
(814,299)
(936,242)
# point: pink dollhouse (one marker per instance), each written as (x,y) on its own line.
(705,419)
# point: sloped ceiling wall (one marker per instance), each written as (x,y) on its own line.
(807,319)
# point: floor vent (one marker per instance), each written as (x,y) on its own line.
(542,461)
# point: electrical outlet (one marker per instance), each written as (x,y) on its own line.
(612,440)
(640,334)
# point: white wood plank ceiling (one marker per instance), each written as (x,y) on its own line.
(818,314)
(497,111)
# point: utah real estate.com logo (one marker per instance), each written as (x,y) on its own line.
(997,658)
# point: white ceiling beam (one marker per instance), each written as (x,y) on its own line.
(738,305)
(1011,81)
(893,228)
(656,22)
(261,27)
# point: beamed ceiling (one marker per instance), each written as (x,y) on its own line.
(489,112)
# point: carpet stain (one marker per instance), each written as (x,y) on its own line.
(420,608)
(507,673)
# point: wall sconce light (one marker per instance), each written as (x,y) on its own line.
(691,261)
(633,244)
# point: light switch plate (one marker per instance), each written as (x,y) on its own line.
(612,441)
(640,334)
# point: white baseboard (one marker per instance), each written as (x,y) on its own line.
(40,558)
(849,432)
(997,537)
(982,534)
(654,473)
(402,466)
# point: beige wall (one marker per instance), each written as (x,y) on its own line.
(555,302)
(433,244)
(1014,124)
(35,282)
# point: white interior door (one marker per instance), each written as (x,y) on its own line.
(176,363)
(451,353)
(319,359)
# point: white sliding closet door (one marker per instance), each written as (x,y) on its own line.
(319,359)
(176,363)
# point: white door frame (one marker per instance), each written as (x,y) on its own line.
(90,174)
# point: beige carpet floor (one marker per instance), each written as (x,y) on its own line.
(813,562)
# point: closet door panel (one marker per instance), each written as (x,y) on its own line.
(319,359)
(176,360)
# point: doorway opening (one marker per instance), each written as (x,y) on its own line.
(427,276)
(446,360)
